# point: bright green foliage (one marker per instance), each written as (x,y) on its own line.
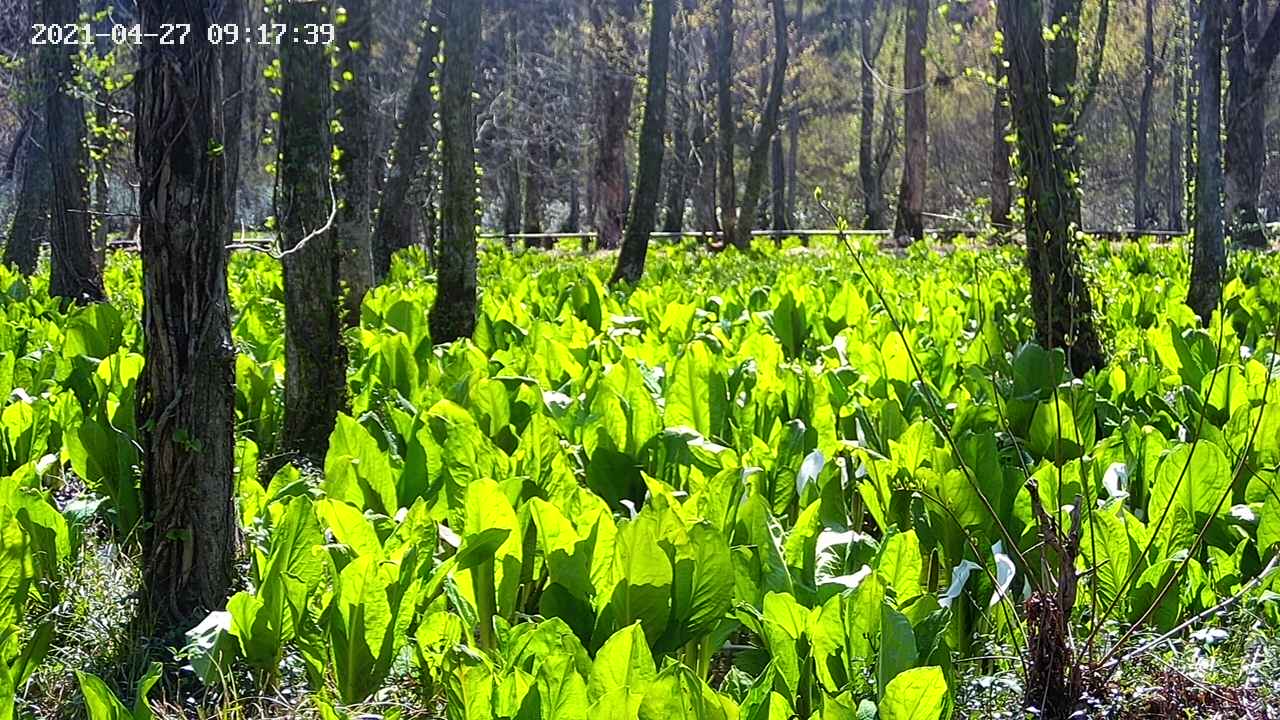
(572,515)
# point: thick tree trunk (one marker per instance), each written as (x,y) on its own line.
(315,358)
(909,223)
(453,316)
(1209,255)
(873,206)
(759,158)
(74,274)
(535,179)
(1001,162)
(644,206)
(413,135)
(186,395)
(355,104)
(793,142)
(727,124)
(35,184)
(613,91)
(1060,300)
(1251,53)
(1142,132)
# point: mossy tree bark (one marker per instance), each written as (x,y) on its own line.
(644,201)
(186,395)
(1060,299)
(74,274)
(453,316)
(315,358)
(394,229)
(355,142)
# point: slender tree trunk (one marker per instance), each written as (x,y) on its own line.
(74,275)
(1177,188)
(315,358)
(682,146)
(252,119)
(535,179)
(412,136)
(1142,133)
(1060,300)
(614,88)
(793,142)
(186,395)
(644,206)
(869,172)
(1209,255)
(233,62)
(35,184)
(1251,53)
(453,316)
(728,124)
(354,104)
(759,158)
(100,220)
(909,223)
(1001,162)
(778,184)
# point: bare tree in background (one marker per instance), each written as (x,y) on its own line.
(1209,254)
(614,87)
(909,223)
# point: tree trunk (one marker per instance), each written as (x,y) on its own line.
(1001,163)
(1177,189)
(793,142)
(1209,255)
(535,179)
(453,316)
(186,395)
(682,147)
(354,104)
(1250,55)
(35,184)
(909,223)
(74,275)
(614,88)
(233,79)
(778,184)
(727,123)
(1061,303)
(413,135)
(869,172)
(315,358)
(1142,133)
(759,158)
(644,206)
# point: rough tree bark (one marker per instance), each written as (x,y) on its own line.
(315,358)
(186,394)
(793,141)
(233,77)
(354,104)
(1251,53)
(453,315)
(758,160)
(644,205)
(394,231)
(614,86)
(1061,302)
(1208,255)
(1142,129)
(35,187)
(909,222)
(74,273)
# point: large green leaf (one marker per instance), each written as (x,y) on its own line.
(916,694)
